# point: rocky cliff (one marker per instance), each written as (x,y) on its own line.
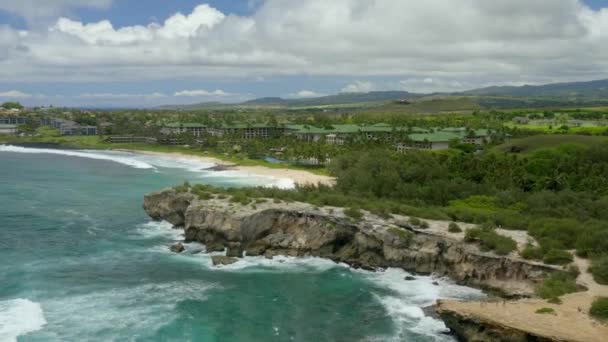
(298,229)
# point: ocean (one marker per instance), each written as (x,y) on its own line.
(81,261)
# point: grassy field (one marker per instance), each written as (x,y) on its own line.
(533,143)
(95,142)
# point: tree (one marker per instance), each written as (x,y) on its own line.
(12,105)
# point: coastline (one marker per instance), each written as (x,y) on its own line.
(299,177)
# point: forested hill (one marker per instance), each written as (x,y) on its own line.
(581,90)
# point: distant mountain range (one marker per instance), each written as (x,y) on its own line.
(578,90)
(575,91)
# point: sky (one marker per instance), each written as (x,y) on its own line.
(134,53)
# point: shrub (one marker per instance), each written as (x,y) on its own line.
(556,286)
(599,269)
(424,225)
(353,212)
(532,253)
(557,257)
(183,188)
(545,311)
(489,240)
(599,308)
(593,241)
(414,221)
(241,198)
(402,234)
(454,228)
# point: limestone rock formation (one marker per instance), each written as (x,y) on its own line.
(299,229)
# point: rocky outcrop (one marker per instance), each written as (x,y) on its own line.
(223,260)
(298,229)
(472,328)
(177,248)
(169,205)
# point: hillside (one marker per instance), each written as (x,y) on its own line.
(572,90)
(572,94)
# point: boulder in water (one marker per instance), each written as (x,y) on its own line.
(223,260)
(177,248)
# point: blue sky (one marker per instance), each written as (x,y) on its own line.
(64,52)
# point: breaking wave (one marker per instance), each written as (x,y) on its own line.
(19,317)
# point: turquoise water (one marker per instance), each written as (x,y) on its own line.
(81,261)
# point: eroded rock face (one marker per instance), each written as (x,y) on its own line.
(168,205)
(299,229)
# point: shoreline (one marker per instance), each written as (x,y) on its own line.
(299,177)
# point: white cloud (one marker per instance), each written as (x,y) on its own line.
(430,84)
(467,41)
(306,94)
(203,93)
(14,94)
(359,87)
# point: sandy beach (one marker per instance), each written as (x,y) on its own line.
(299,177)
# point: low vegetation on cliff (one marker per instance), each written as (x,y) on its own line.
(556,286)
(599,308)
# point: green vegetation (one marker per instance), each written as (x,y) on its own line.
(489,240)
(556,286)
(414,221)
(557,257)
(599,269)
(537,142)
(12,105)
(354,213)
(402,234)
(454,228)
(545,311)
(599,308)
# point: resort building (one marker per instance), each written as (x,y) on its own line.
(195,129)
(440,139)
(247,130)
(12,120)
(69,127)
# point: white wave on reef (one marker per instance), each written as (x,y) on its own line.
(19,317)
(281,264)
(80,154)
(406,299)
(159,229)
(102,315)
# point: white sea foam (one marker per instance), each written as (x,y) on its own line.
(19,317)
(281,264)
(102,315)
(407,298)
(80,154)
(159,229)
(246,178)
